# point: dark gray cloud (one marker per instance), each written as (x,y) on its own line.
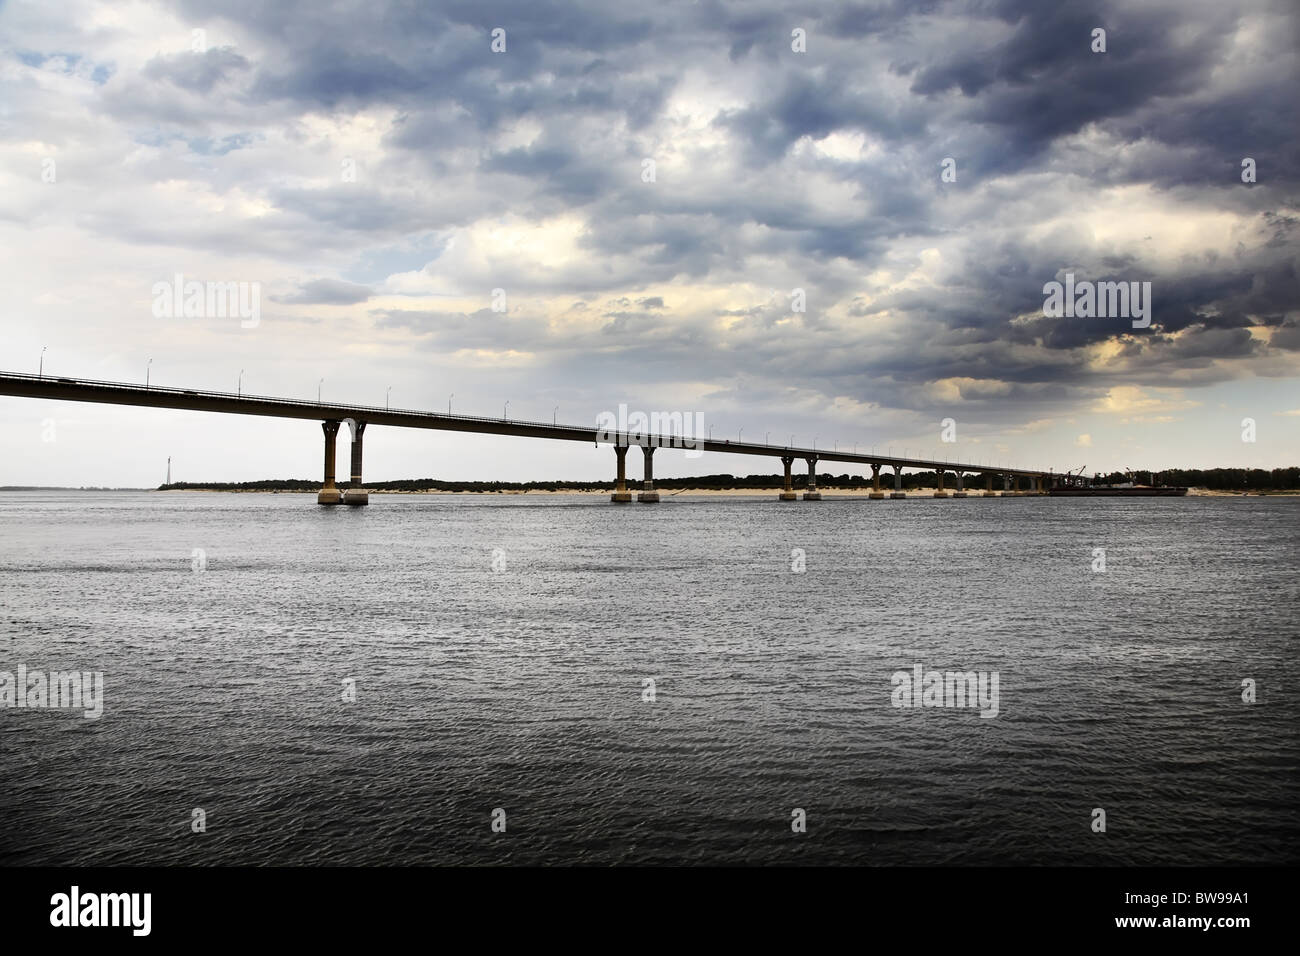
(326,292)
(775,170)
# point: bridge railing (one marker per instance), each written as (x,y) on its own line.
(291,402)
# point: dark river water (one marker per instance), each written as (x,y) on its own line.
(498,650)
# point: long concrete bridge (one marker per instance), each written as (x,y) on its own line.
(358,417)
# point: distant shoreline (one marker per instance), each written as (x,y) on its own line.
(666,493)
(634,487)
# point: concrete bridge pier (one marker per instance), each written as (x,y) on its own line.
(898,483)
(988,486)
(939,492)
(648,494)
(329,494)
(1006,486)
(621,495)
(356,495)
(876,493)
(788,492)
(961,487)
(812,494)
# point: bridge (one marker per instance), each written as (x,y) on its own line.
(332,416)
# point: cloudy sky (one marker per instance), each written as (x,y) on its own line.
(378,169)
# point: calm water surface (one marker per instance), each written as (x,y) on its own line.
(499,647)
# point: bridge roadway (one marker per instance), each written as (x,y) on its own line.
(331,415)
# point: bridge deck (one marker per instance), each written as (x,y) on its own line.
(118,393)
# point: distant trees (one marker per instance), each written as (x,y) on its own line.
(1215,479)
(1218,479)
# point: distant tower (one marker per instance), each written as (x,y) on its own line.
(169,469)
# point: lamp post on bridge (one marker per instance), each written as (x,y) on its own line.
(449,398)
(239,389)
(40,371)
(318,388)
(147,370)
(505,412)
(766,437)
(554,413)
(386,395)
(739,434)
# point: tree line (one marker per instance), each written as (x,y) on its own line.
(1218,479)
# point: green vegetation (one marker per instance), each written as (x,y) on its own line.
(1219,479)
(1215,479)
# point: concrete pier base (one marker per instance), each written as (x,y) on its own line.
(812,494)
(959,494)
(942,494)
(898,494)
(648,495)
(787,496)
(329,493)
(990,494)
(876,495)
(356,497)
(621,495)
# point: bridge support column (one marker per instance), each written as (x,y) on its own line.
(1040,485)
(356,495)
(1006,486)
(961,485)
(788,493)
(898,484)
(988,486)
(876,493)
(939,492)
(621,495)
(812,494)
(329,494)
(648,494)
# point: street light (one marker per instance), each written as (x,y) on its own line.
(449,398)
(739,434)
(554,412)
(766,436)
(146,373)
(386,394)
(41,371)
(505,412)
(710,433)
(318,387)
(791,445)
(239,389)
